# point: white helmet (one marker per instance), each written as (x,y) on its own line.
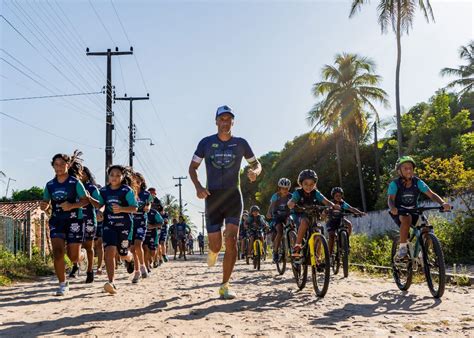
(284,183)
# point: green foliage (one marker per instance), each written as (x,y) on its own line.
(371,251)
(32,194)
(456,239)
(20,267)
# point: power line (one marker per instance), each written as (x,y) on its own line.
(48,96)
(48,132)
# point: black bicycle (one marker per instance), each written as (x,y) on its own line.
(341,240)
(424,252)
(314,252)
(284,245)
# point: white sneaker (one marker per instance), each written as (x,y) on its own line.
(63,289)
(212,258)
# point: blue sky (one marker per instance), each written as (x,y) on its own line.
(260,57)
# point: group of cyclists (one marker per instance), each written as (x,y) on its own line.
(125,220)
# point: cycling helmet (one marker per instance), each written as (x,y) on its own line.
(254,208)
(284,183)
(404,159)
(307,174)
(337,190)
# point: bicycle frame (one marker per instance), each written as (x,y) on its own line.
(255,246)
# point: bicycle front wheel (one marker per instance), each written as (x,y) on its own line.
(337,256)
(433,261)
(281,260)
(402,271)
(258,257)
(321,271)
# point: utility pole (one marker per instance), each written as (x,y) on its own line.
(8,185)
(180,185)
(131,125)
(109,126)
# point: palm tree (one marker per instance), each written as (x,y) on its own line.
(400,14)
(465,73)
(348,93)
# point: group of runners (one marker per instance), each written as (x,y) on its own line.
(134,222)
(123,222)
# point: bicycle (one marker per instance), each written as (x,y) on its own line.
(315,252)
(283,249)
(258,252)
(426,245)
(341,241)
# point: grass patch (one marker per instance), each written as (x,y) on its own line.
(19,267)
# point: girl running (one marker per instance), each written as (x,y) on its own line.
(144,199)
(65,195)
(120,203)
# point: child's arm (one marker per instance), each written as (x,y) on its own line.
(436,198)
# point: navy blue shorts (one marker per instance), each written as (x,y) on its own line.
(118,235)
(223,206)
(151,239)
(100,230)
(90,229)
(163,236)
(70,230)
(396,219)
(139,228)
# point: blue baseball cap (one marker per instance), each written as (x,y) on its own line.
(224,109)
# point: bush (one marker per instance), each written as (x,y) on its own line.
(371,251)
(456,239)
(20,267)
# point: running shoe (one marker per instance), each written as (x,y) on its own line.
(212,258)
(165,258)
(225,292)
(90,277)
(144,271)
(136,277)
(63,289)
(155,264)
(130,266)
(74,270)
(275,257)
(110,288)
(98,272)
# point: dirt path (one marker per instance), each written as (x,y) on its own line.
(181,299)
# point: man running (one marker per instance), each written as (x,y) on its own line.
(201,243)
(223,155)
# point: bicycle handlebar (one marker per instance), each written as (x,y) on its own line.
(421,209)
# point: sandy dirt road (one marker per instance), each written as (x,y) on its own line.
(180,299)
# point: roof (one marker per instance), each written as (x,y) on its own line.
(18,210)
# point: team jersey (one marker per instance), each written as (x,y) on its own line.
(123,196)
(144,198)
(89,211)
(200,239)
(182,229)
(71,190)
(223,160)
(280,204)
(154,217)
(407,197)
(256,223)
(301,198)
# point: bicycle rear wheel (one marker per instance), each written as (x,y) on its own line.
(402,271)
(435,270)
(321,271)
(345,252)
(281,261)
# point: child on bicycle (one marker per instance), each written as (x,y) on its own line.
(335,218)
(243,233)
(256,224)
(404,192)
(278,212)
(306,195)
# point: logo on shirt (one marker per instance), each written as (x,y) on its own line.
(215,145)
(223,159)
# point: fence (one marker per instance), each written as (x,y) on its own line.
(380,222)
(21,235)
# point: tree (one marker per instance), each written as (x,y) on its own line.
(400,15)
(348,93)
(465,73)
(32,194)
